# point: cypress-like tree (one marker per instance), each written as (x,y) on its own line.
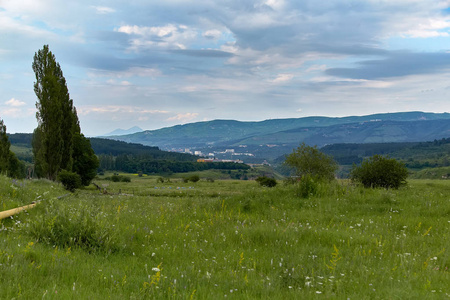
(53,146)
(58,143)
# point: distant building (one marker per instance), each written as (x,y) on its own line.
(238,161)
(205,160)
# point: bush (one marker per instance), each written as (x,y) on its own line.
(379,171)
(69,180)
(119,178)
(80,227)
(308,186)
(307,160)
(125,179)
(266,181)
(193,178)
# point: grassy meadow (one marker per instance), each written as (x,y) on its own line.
(225,239)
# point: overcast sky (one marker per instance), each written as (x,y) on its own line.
(155,64)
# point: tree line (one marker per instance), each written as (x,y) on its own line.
(149,165)
(116,148)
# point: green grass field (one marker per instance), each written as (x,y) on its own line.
(225,239)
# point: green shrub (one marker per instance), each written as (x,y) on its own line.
(379,171)
(266,181)
(308,186)
(120,178)
(115,178)
(307,160)
(69,180)
(125,179)
(78,228)
(193,178)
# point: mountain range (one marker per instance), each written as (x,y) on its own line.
(120,131)
(289,133)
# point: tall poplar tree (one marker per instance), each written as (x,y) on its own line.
(58,143)
(53,140)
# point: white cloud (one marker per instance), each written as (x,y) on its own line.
(15,103)
(166,37)
(283,78)
(275,4)
(122,109)
(119,83)
(212,34)
(129,73)
(314,68)
(159,31)
(103,10)
(186,117)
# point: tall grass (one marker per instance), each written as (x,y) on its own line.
(229,239)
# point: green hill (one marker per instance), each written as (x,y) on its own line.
(395,127)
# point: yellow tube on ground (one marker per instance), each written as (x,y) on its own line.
(8,213)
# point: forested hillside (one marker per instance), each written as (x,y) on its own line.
(320,131)
(417,155)
(133,158)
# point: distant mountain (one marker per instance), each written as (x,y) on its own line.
(286,133)
(124,131)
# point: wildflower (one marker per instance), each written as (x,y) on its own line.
(156,269)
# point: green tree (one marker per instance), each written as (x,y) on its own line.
(57,141)
(380,171)
(9,164)
(49,92)
(4,148)
(85,162)
(307,160)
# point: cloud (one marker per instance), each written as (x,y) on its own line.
(169,36)
(102,10)
(283,78)
(212,34)
(129,73)
(15,103)
(183,118)
(142,60)
(396,64)
(121,109)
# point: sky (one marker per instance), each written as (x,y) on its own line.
(155,64)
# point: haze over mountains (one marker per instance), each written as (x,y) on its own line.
(281,135)
(124,131)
